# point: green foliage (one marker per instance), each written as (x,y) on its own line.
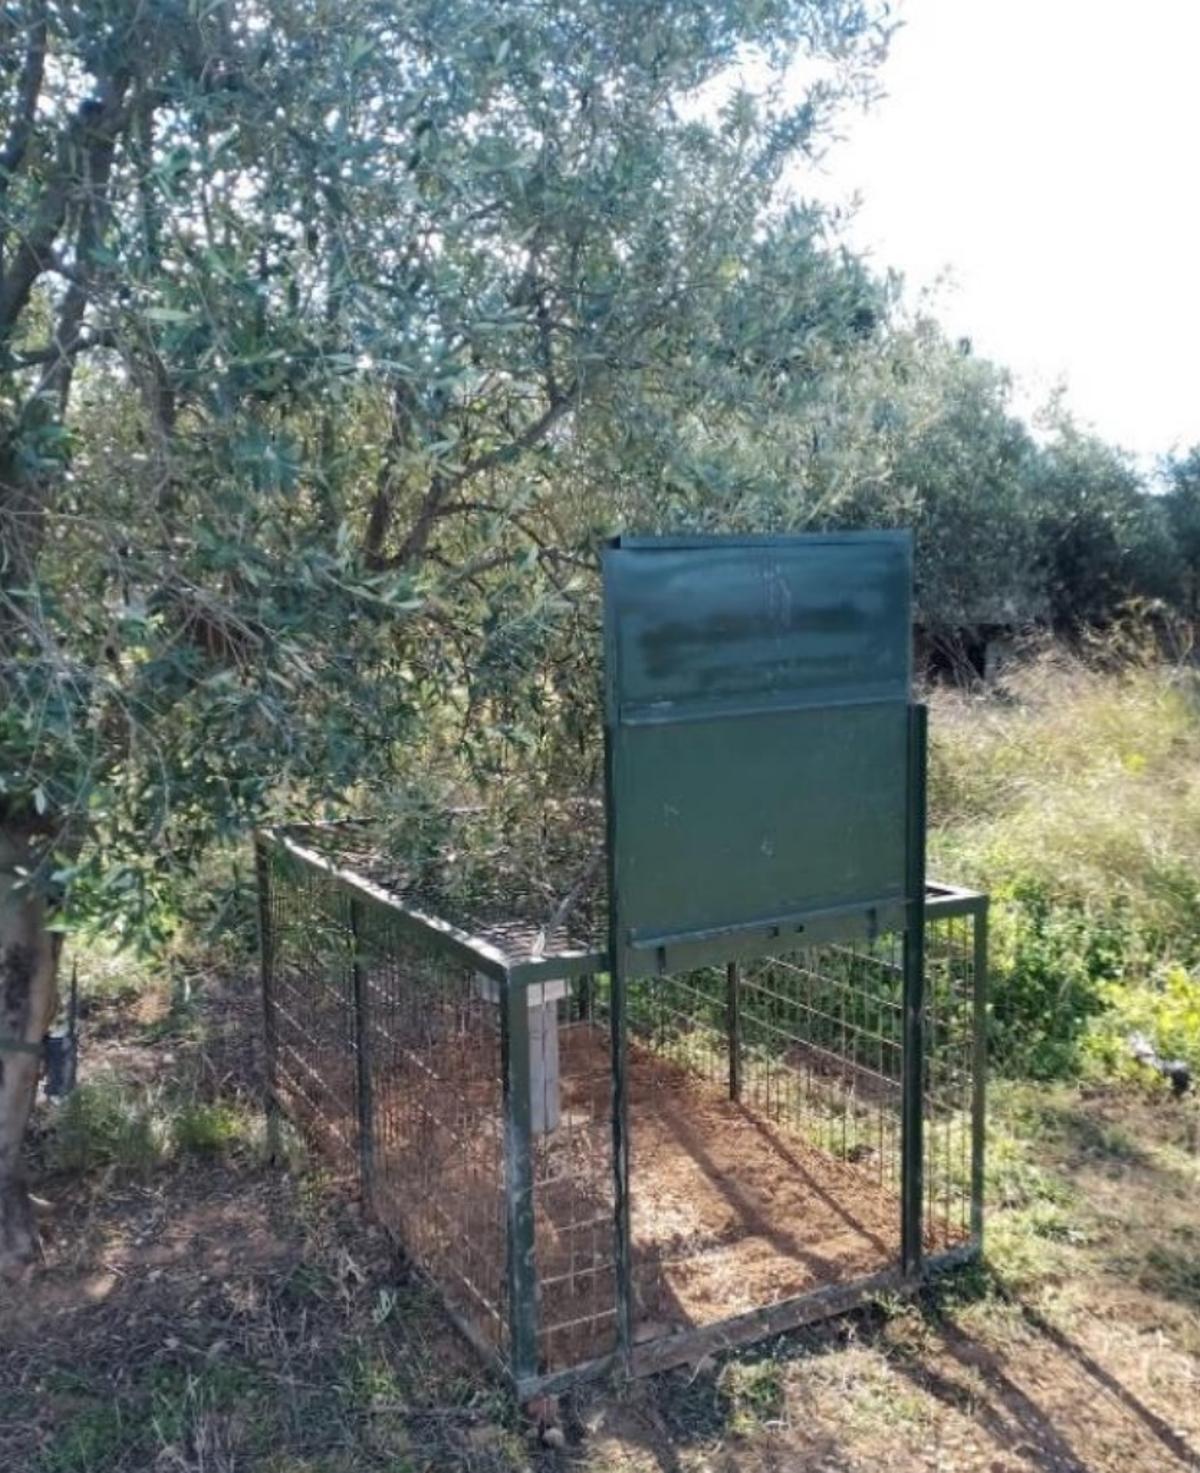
(1071,794)
(754,1392)
(109,1122)
(208,1128)
(1104,539)
(170,1409)
(1182,506)
(370,325)
(1166,1011)
(1052,962)
(92,1440)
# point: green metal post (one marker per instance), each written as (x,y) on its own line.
(362,1052)
(623,1235)
(586,1004)
(266,960)
(733,1012)
(913,1102)
(521,1250)
(979,1099)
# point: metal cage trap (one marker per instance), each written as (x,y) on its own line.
(759,1098)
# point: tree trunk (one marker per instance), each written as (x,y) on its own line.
(28,999)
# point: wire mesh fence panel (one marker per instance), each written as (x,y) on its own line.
(437,1163)
(312,1004)
(822,1031)
(572,1081)
(949,1080)
(764,1106)
(764,1133)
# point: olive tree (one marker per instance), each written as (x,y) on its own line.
(330,335)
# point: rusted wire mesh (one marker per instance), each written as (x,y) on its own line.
(310,1004)
(437,1164)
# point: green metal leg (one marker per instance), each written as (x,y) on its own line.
(522,1263)
(733,1010)
(979,1100)
(913,1101)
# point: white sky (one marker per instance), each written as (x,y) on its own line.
(1047,152)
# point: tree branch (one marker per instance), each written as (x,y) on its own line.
(51,352)
(29,88)
(442,487)
(92,133)
(401,419)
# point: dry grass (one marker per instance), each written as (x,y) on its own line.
(1072,794)
(1083,781)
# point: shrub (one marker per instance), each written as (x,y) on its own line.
(1166,1011)
(108,1122)
(1052,963)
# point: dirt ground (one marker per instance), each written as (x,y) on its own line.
(206,1312)
(731,1211)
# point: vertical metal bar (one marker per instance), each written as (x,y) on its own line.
(518,1156)
(913,1103)
(362,1056)
(618,1011)
(266,961)
(733,1023)
(586,1006)
(617,1017)
(980,1062)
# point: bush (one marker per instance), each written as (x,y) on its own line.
(107,1123)
(1052,964)
(1166,1011)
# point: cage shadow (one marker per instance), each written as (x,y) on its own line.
(1017,1421)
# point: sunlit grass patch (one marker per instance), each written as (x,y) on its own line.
(754,1391)
(134,1127)
(1072,794)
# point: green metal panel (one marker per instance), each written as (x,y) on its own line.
(757,695)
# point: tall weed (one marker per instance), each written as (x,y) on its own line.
(1072,794)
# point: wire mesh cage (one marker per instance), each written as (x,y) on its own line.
(498,1111)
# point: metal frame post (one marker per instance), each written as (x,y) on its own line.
(733,1014)
(913,1102)
(362,1055)
(518,1157)
(980,1058)
(266,957)
(622,1228)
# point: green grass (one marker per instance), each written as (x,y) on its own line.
(167,1417)
(754,1393)
(1072,794)
(135,1128)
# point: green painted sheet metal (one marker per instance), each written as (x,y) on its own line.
(757,704)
